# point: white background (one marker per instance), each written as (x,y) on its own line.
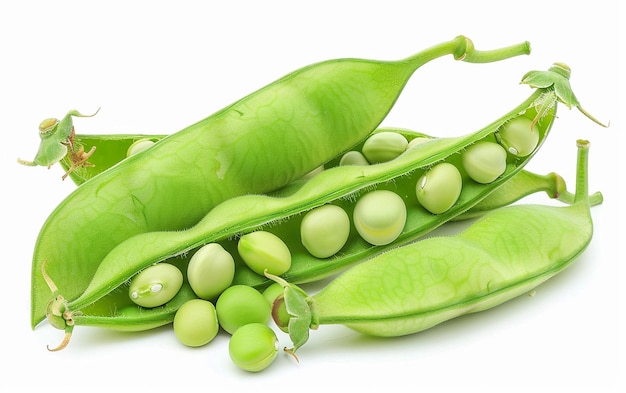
(159,66)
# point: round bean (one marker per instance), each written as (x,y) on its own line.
(379,217)
(518,136)
(239,305)
(439,188)
(325,230)
(139,146)
(353,158)
(263,250)
(384,146)
(195,323)
(253,347)
(484,161)
(155,285)
(210,271)
(416,142)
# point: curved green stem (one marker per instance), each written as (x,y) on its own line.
(462,48)
(523,184)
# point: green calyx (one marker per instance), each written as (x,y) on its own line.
(57,143)
(58,313)
(556,83)
(300,311)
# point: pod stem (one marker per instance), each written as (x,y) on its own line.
(582,194)
(569,198)
(462,48)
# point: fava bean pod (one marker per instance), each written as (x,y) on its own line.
(317,112)
(341,186)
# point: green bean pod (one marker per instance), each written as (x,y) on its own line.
(281,214)
(317,111)
(129,317)
(338,185)
(504,254)
(113,148)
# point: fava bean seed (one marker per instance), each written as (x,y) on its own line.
(379,217)
(239,305)
(416,142)
(155,285)
(139,146)
(384,146)
(210,271)
(518,136)
(325,230)
(439,188)
(253,347)
(262,251)
(353,158)
(484,161)
(195,323)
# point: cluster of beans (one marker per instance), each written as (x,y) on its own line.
(240,310)
(378,216)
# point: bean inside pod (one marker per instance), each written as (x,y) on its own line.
(340,186)
(445,277)
(282,214)
(211,156)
